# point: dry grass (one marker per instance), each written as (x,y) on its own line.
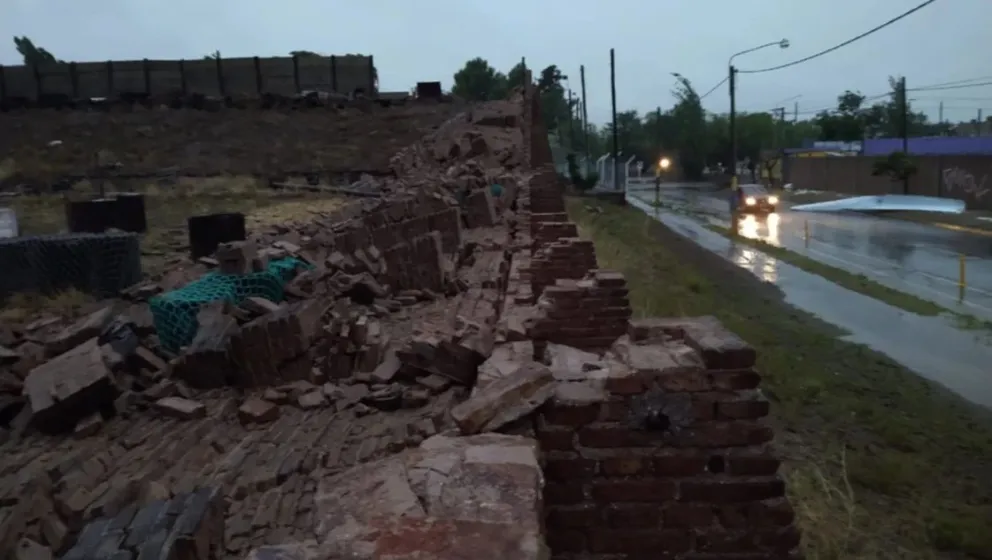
(881,464)
(21,308)
(167,208)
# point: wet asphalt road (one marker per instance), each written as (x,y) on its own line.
(914,258)
(933,347)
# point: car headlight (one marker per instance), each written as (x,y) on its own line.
(772,200)
(750,201)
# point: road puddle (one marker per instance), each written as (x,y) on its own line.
(957,359)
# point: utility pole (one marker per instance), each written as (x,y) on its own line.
(940,114)
(733,127)
(523,75)
(585,115)
(613,98)
(571,123)
(904,107)
(795,112)
(978,124)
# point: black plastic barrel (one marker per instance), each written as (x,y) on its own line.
(131,216)
(90,216)
(209,231)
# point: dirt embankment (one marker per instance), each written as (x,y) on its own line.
(43,146)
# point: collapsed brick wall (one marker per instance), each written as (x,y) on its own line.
(653,444)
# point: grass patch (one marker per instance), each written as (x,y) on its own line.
(881,463)
(168,206)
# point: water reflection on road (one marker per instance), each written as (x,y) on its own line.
(954,358)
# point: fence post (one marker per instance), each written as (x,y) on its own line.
(182,76)
(74,79)
(296,73)
(940,175)
(372,80)
(110,79)
(258,75)
(334,73)
(220,77)
(38,90)
(146,70)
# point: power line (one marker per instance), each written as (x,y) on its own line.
(841,45)
(714,88)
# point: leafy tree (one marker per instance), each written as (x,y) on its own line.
(478,81)
(212,56)
(555,107)
(515,77)
(898,167)
(689,118)
(304,54)
(32,54)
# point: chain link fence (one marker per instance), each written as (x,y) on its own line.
(100,264)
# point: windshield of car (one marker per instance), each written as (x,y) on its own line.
(753,190)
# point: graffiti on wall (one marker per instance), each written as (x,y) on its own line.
(961,181)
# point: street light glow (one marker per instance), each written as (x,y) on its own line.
(664,163)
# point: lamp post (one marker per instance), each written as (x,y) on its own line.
(783,44)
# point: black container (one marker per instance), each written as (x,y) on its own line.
(207,232)
(90,216)
(428,90)
(131,216)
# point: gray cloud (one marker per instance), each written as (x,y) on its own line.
(417,41)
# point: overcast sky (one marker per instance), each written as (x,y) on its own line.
(430,39)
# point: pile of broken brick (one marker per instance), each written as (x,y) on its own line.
(329,342)
(398,304)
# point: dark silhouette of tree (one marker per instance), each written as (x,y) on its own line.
(478,81)
(32,54)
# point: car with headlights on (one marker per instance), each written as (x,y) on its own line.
(753,199)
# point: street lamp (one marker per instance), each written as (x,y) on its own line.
(665,163)
(783,44)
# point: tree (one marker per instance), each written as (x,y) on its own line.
(689,119)
(898,167)
(554,106)
(212,56)
(304,54)
(478,81)
(515,77)
(33,55)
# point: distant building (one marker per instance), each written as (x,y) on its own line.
(931,146)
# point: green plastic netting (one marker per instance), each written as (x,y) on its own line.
(175,312)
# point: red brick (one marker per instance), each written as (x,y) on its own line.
(615,410)
(571,415)
(679,464)
(689,516)
(743,409)
(566,465)
(556,439)
(693,381)
(633,516)
(624,466)
(738,433)
(631,384)
(752,465)
(730,490)
(638,490)
(639,541)
(565,541)
(734,380)
(617,435)
(563,493)
(572,517)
